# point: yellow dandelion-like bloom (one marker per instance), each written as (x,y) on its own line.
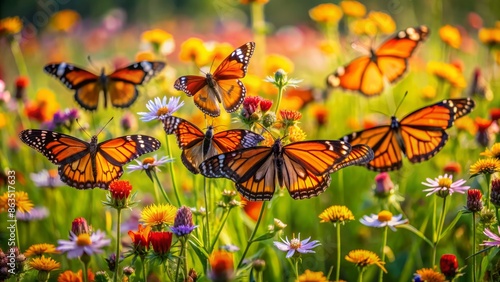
(194,50)
(485,166)
(327,13)
(20,200)
(384,22)
(364,27)
(40,249)
(64,20)
(447,72)
(451,36)
(430,275)
(493,153)
(353,8)
(489,36)
(275,62)
(296,134)
(154,215)
(336,214)
(364,258)
(11,25)
(44,264)
(311,276)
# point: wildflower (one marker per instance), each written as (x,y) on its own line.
(80,226)
(85,243)
(21,84)
(444,186)
(429,92)
(384,186)
(221,50)
(320,113)
(183,223)
(480,86)
(144,56)
(448,73)
(21,201)
(295,244)
(246,2)
(161,242)
(157,215)
(290,117)
(43,264)
(384,218)
(128,121)
(452,168)
(10,25)
(259,265)
(229,248)
(62,119)
(4,94)
(474,20)
(484,130)
(310,276)
(64,20)
(40,249)
(449,265)
(474,202)
(430,275)
(251,208)
(140,239)
(70,276)
(492,236)
(128,270)
(364,27)
(161,41)
(327,13)
(490,36)
(451,36)
(296,134)
(194,50)
(221,266)
(160,109)
(275,62)
(36,213)
(353,8)
(101,276)
(111,261)
(495,192)
(150,164)
(44,107)
(336,214)
(384,22)
(493,153)
(119,195)
(485,166)
(364,258)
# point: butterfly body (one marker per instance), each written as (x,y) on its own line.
(222,86)
(120,86)
(85,165)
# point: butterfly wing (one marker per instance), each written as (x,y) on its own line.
(204,97)
(361,74)
(463,106)
(360,155)
(236,64)
(122,82)
(86,84)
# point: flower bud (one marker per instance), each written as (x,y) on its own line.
(384,186)
(474,203)
(495,192)
(449,265)
(80,226)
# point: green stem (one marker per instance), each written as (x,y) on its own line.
(18,57)
(439,230)
(280,95)
(225,215)
(17,237)
(118,243)
(337,271)
(160,187)
(474,263)
(259,32)
(360,276)
(205,195)
(250,240)
(84,274)
(182,259)
(488,182)
(143,268)
(297,269)
(172,174)
(384,243)
(496,213)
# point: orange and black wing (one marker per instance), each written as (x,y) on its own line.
(122,83)
(367,74)
(463,106)
(86,84)
(305,166)
(204,98)
(360,155)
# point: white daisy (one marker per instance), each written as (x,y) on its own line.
(160,109)
(444,186)
(149,163)
(382,219)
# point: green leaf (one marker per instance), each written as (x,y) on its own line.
(200,251)
(416,232)
(451,225)
(264,237)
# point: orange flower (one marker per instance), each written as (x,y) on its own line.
(11,25)
(64,20)
(194,50)
(447,72)
(383,21)
(451,36)
(490,36)
(275,62)
(251,208)
(364,27)
(222,266)
(246,2)
(44,107)
(466,124)
(327,13)
(353,8)
(161,41)
(144,56)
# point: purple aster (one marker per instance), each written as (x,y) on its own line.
(295,244)
(36,213)
(84,243)
(493,236)
(183,223)
(444,186)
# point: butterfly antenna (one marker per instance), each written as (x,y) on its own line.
(104,126)
(265,129)
(91,63)
(83,129)
(400,103)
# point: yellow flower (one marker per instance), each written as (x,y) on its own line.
(353,8)
(447,72)
(194,50)
(20,201)
(466,124)
(485,166)
(429,92)
(451,36)
(10,25)
(334,214)
(296,134)
(221,51)
(268,139)
(327,47)
(64,20)
(310,276)
(364,27)
(161,41)
(245,2)
(431,275)
(383,21)
(493,153)
(490,36)
(44,107)
(144,56)
(327,13)
(275,62)
(364,258)
(44,264)
(154,215)
(40,249)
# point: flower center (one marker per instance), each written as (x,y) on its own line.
(295,243)
(444,182)
(149,160)
(384,216)
(83,240)
(162,111)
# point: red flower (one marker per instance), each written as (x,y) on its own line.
(449,265)
(265,105)
(120,189)
(141,238)
(250,105)
(452,168)
(222,266)
(495,114)
(474,203)
(290,115)
(161,241)
(80,226)
(384,185)
(22,82)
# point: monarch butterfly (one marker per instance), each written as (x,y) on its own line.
(120,85)
(360,154)
(223,86)
(419,135)
(197,146)
(366,74)
(85,165)
(302,167)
